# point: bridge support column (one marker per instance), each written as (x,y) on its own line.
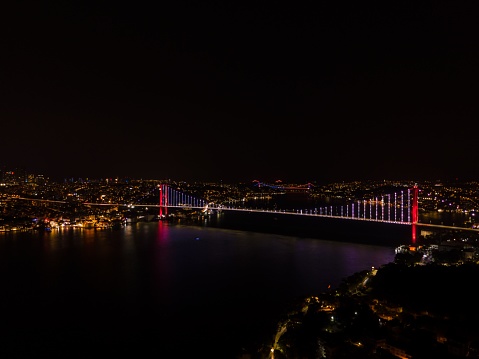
(163,189)
(414,212)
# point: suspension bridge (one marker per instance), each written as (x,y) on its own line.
(399,207)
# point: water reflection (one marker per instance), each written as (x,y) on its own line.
(133,285)
(163,233)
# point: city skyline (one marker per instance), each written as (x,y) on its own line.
(236,92)
(20,174)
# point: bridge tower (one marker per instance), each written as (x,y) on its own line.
(414,211)
(163,189)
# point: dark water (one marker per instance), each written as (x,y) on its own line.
(346,230)
(447,218)
(161,289)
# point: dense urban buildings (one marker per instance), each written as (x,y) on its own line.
(25,196)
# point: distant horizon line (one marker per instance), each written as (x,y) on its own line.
(73,179)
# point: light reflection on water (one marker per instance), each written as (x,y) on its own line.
(154,286)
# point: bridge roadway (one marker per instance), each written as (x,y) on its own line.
(300,213)
(297,213)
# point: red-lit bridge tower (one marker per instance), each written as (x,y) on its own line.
(414,212)
(163,189)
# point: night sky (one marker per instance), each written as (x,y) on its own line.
(240,90)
